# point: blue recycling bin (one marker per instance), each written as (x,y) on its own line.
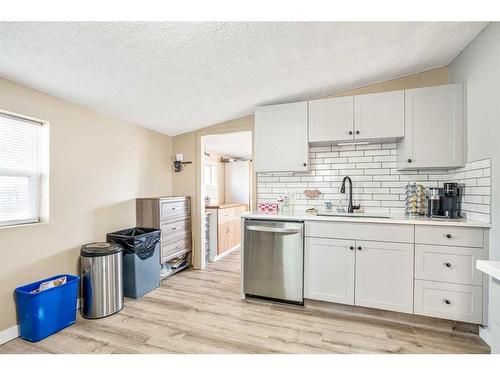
(44,313)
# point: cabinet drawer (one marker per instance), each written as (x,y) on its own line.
(448,235)
(360,231)
(170,230)
(238,211)
(169,249)
(448,263)
(169,209)
(225,215)
(449,301)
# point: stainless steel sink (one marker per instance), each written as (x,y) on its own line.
(356,214)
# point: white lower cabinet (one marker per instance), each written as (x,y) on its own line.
(329,270)
(362,273)
(384,275)
(415,269)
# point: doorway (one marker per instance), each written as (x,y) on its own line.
(226,191)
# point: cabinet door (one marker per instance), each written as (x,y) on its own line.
(281,143)
(331,120)
(222,237)
(329,270)
(236,232)
(434,128)
(384,275)
(379,116)
(495,316)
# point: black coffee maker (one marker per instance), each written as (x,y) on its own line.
(444,202)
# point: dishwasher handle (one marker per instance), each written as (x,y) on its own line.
(256,228)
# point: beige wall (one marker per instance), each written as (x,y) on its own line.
(186,182)
(98,166)
(432,77)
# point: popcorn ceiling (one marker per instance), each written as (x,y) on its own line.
(178,77)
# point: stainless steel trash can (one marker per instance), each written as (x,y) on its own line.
(102,279)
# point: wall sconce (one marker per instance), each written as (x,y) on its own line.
(178,162)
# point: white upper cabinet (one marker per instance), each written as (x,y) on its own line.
(379,116)
(434,128)
(331,120)
(281,138)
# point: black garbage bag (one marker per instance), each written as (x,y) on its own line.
(139,241)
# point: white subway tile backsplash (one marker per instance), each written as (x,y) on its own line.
(383,158)
(377,186)
(360,159)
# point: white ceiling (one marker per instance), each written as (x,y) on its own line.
(175,77)
(237,145)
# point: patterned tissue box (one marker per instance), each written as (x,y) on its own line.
(267,207)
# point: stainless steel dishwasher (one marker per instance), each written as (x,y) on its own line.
(273,263)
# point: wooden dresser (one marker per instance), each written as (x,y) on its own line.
(172,215)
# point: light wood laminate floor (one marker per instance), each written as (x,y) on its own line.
(200,311)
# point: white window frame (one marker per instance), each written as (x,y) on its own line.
(213,172)
(35,180)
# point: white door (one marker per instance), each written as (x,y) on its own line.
(384,275)
(434,128)
(237,182)
(281,138)
(379,116)
(331,120)
(329,270)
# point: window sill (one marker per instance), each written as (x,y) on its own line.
(21,225)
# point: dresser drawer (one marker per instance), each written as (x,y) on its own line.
(360,231)
(448,263)
(448,235)
(174,229)
(170,209)
(169,249)
(449,301)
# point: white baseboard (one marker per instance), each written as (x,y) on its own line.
(9,334)
(220,256)
(485,334)
(13,332)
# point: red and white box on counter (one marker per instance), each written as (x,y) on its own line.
(267,207)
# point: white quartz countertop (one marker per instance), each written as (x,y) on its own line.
(489,267)
(393,219)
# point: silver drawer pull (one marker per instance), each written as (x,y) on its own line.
(173,208)
(447,301)
(174,228)
(448,264)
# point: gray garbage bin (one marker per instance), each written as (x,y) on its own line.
(141,259)
(102,279)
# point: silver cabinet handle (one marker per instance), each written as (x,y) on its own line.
(272,230)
